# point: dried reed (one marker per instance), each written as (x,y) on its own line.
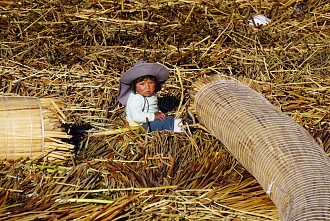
(76,51)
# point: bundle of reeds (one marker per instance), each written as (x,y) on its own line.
(54,133)
(288,163)
(32,127)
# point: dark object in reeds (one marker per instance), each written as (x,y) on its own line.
(78,133)
(288,163)
(167,103)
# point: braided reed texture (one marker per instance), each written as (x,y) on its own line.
(291,167)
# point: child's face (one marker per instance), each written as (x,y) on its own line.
(146,87)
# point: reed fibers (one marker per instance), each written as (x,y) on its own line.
(287,162)
(32,127)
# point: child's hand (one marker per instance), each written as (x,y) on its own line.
(160,116)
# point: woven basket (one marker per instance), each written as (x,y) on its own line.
(31,127)
(291,167)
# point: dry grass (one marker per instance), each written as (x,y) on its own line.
(77,50)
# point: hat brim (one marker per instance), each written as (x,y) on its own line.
(140,69)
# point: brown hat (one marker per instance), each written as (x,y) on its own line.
(140,69)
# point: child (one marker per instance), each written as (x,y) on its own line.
(137,91)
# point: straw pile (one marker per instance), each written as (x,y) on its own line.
(77,50)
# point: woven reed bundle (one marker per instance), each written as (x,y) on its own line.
(290,166)
(31,127)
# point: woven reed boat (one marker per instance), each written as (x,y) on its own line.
(31,127)
(290,166)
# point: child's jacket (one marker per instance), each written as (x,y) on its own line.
(139,108)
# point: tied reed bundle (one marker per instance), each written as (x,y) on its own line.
(53,118)
(287,162)
(32,127)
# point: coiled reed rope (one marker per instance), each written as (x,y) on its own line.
(291,167)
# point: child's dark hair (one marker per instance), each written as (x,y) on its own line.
(142,78)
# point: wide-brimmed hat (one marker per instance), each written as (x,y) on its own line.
(140,69)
